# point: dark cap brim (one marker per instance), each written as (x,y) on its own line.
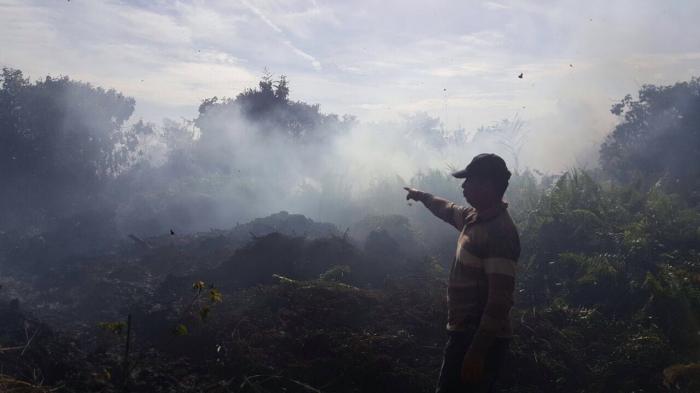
(460,174)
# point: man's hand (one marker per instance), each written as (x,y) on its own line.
(413,194)
(472,368)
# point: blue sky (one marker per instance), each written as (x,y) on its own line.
(378,60)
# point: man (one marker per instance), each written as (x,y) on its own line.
(482,276)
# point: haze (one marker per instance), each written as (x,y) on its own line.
(457,60)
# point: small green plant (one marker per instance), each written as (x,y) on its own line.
(205,296)
(335,273)
(116,328)
(181,330)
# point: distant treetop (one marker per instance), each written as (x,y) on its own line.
(658,138)
(268,106)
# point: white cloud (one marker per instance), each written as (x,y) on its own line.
(307,21)
(457,60)
(312,60)
(467,69)
(483,38)
(262,16)
(492,5)
(151,26)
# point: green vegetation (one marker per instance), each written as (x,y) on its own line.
(608,295)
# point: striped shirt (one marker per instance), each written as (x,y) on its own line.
(482,277)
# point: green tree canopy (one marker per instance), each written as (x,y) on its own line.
(658,138)
(60,141)
(268,107)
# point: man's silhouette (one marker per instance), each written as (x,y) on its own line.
(482,276)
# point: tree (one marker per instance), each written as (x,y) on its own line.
(657,139)
(282,88)
(426,130)
(269,108)
(60,142)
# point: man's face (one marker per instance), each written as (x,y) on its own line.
(477,192)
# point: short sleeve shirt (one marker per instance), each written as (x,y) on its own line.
(488,244)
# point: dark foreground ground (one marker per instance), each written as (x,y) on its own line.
(288,305)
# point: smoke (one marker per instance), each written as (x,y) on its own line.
(459,64)
(225,168)
(262,153)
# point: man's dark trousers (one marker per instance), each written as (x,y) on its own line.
(450,373)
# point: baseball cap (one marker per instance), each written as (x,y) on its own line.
(485,165)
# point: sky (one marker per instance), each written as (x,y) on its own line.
(377,60)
